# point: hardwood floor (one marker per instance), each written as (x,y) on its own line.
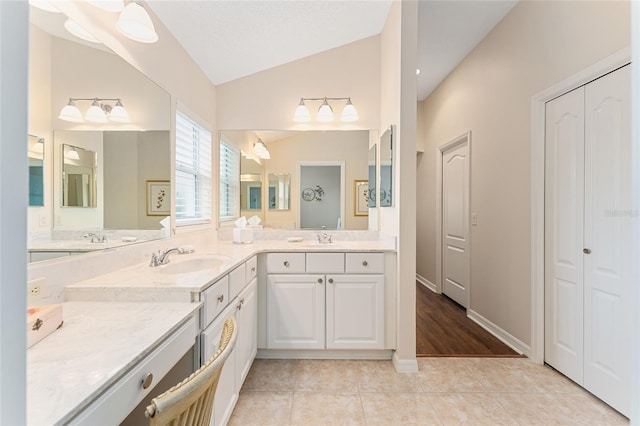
(443,329)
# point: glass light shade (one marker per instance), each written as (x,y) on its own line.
(260,149)
(38,146)
(72,154)
(349,112)
(302,113)
(325,113)
(70,112)
(44,5)
(118,114)
(79,32)
(95,114)
(135,23)
(108,5)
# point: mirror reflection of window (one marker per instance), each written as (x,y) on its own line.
(78,177)
(36,170)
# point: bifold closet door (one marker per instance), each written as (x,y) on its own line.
(564,205)
(587,244)
(607,264)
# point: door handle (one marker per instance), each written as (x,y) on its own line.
(586,251)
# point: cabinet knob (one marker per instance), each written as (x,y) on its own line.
(365,263)
(330,280)
(221,298)
(147,381)
(586,251)
(242,301)
(286,263)
(239,306)
(319,280)
(253,269)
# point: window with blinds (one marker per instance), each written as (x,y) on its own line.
(193,171)
(229,183)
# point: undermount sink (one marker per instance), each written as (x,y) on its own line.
(191,264)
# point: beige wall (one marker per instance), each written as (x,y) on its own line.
(268,99)
(489,93)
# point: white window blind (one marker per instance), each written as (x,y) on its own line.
(229,183)
(193,171)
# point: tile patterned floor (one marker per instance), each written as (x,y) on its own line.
(446,391)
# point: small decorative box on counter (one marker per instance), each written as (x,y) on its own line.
(42,321)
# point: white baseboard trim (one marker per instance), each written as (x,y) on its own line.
(323,354)
(404,365)
(425,282)
(499,333)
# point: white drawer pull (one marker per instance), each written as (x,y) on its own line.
(365,263)
(286,263)
(147,381)
(221,298)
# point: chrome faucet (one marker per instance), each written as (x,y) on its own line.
(162,257)
(324,238)
(95,238)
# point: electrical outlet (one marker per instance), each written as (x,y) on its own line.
(474,219)
(58,220)
(36,290)
(43,221)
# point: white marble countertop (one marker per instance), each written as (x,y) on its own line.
(74,245)
(98,343)
(134,283)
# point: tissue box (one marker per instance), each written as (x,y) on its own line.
(42,321)
(242,235)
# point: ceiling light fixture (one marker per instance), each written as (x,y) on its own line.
(98,112)
(325,112)
(134,22)
(78,31)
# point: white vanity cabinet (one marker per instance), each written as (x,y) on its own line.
(328,307)
(243,306)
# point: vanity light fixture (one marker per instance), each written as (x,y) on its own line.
(38,146)
(260,149)
(98,112)
(79,32)
(72,154)
(325,112)
(134,22)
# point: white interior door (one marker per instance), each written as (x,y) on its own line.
(607,262)
(455,222)
(564,200)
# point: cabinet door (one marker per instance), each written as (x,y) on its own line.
(355,312)
(227,390)
(247,343)
(295,311)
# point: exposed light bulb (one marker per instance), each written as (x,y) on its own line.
(418,71)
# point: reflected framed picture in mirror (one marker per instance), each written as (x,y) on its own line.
(158,198)
(361,194)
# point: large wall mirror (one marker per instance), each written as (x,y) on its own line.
(109,197)
(275,189)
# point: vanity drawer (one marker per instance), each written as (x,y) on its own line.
(325,263)
(216,298)
(365,263)
(126,393)
(285,263)
(251,270)
(237,281)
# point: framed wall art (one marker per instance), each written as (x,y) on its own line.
(158,198)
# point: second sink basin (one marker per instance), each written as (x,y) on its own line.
(190,263)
